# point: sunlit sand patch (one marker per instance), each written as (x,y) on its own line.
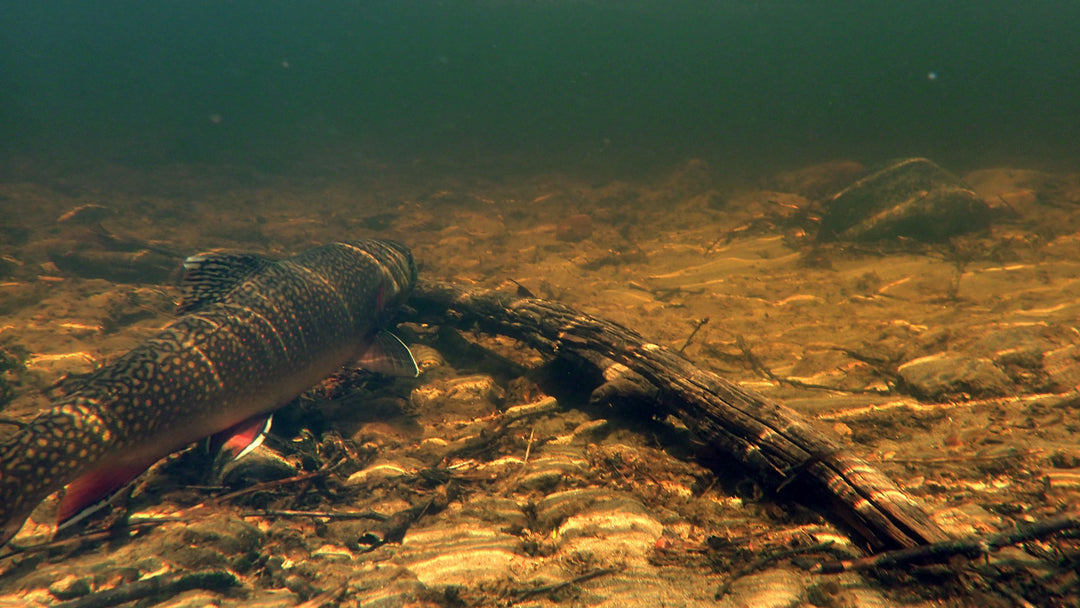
(1061,479)
(81,326)
(888,286)
(802,297)
(1039,312)
(47,360)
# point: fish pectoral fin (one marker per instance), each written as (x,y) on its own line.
(93,491)
(388,355)
(235,442)
(209,277)
(239,439)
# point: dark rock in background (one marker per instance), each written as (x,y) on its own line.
(910,198)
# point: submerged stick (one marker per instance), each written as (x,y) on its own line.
(775,443)
(971,547)
(162,585)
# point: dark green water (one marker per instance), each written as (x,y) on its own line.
(544,83)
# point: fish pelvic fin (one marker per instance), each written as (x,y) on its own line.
(388,355)
(93,491)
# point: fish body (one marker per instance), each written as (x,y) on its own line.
(255,334)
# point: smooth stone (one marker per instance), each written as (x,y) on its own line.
(70,587)
(942,376)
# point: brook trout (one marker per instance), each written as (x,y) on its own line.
(254,334)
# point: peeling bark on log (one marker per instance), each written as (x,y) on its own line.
(774,443)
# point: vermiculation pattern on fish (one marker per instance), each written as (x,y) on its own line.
(256,334)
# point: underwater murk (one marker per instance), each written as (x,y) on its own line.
(716,304)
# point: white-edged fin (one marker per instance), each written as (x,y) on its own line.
(94,490)
(209,277)
(389,355)
(238,440)
(235,442)
(257,441)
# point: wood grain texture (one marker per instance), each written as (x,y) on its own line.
(773,442)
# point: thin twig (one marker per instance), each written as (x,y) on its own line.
(528,447)
(341,515)
(322,472)
(701,323)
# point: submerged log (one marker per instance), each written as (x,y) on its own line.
(773,442)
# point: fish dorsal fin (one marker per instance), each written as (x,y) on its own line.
(209,277)
(389,355)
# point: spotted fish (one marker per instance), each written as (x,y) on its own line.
(254,334)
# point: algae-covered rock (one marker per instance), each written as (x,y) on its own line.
(71,587)
(910,198)
(943,375)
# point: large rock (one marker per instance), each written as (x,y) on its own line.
(944,376)
(911,198)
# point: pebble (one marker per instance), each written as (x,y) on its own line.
(554,467)
(470,390)
(197,598)
(460,552)
(259,465)
(70,587)
(331,552)
(776,588)
(383,471)
(1062,367)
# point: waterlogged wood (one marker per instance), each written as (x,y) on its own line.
(781,449)
(163,585)
(971,547)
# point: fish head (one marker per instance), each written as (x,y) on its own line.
(398,260)
(377,273)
